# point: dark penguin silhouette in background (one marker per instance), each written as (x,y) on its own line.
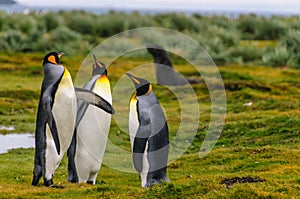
(149,134)
(164,70)
(56,117)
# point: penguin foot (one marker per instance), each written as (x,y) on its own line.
(73,180)
(150,184)
(35,180)
(49,183)
(166,179)
(157,182)
(90,182)
(56,186)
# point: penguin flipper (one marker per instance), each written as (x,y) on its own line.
(94,99)
(159,131)
(51,121)
(140,141)
(139,146)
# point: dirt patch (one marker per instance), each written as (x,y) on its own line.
(239,85)
(230,181)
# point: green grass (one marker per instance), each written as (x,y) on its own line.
(261,140)
(259,43)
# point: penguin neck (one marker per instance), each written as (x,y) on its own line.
(165,63)
(95,77)
(102,88)
(133,98)
(103,79)
(163,59)
(53,70)
(100,79)
(52,73)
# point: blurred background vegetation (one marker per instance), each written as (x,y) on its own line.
(243,40)
(261,135)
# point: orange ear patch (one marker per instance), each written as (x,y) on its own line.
(149,90)
(52,59)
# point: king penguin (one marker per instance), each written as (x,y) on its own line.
(149,134)
(56,117)
(92,127)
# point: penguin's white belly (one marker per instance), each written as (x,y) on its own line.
(52,158)
(64,112)
(92,133)
(145,167)
(133,120)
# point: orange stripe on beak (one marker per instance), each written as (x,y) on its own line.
(135,80)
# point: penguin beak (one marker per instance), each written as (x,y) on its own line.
(60,54)
(97,63)
(133,78)
(99,68)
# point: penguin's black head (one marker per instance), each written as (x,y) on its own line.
(52,58)
(142,86)
(156,50)
(99,68)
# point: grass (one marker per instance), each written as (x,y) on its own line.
(258,43)
(261,140)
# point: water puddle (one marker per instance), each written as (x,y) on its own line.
(7,128)
(14,141)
